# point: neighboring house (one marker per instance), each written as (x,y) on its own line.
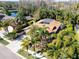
(28,17)
(5,17)
(12,25)
(51,25)
(8,17)
(1,16)
(77,27)
(77,31)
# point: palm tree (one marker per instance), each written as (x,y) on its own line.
(21,15)
(5,9)
(43,34)
(38,35)
(4,24)
(25,43)
(1,24)
(64,46)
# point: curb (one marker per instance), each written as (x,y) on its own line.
(20,56)
(17,53)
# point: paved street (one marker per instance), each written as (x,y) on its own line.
(5,53)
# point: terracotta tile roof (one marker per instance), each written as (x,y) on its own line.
(51,27)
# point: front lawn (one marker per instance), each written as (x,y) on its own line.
(2,41)
(25,54)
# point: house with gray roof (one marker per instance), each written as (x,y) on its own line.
(77,27)
(1,16)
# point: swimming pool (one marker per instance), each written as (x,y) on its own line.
(13,14)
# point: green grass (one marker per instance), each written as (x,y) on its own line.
(25,54)
(3,41)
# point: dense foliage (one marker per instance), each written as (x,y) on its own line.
(61,45)
(64,45)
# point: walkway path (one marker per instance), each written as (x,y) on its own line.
(15,45)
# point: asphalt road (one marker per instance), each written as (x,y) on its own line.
(5,53)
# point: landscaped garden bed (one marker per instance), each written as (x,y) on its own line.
(2,41)
(25,54)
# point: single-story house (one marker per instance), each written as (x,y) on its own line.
(1,16)
(77,27)
(7,17)
(28,17)
(51,24)
(77,31)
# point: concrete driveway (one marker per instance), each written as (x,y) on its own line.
(5,53)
